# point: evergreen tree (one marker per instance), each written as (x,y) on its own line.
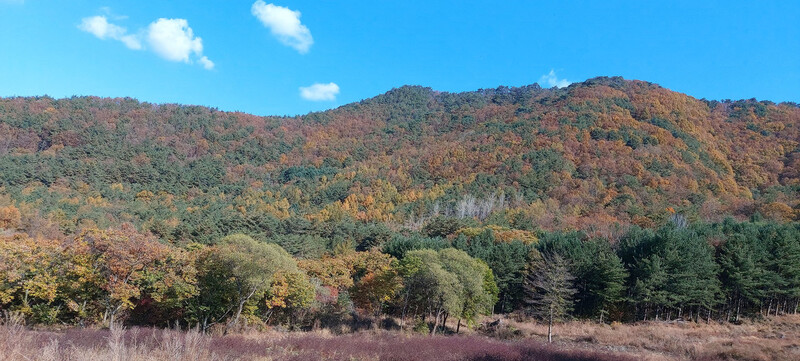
(606,282)
(648,288)
(691,271)
(782,267)
(740,273)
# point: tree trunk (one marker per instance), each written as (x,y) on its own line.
(405,308)
(435,323)
(738,306)
(379,314)
(238,313)
(728,312)
(550,327)
(458,325)
(242,301)
(268,315)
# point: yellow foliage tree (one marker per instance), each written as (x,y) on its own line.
(10,217)
(29,270)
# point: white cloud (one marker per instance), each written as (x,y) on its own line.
(171,39)
(284,24)
(551,80)
(102,29)
(174,40)
(319,92)
(207,64)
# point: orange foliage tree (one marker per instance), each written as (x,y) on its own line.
(110,270)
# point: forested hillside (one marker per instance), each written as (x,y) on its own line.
(588,157)
(624,179)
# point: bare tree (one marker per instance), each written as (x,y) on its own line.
(471,207)
(549,289)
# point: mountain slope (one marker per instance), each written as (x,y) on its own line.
(593,156)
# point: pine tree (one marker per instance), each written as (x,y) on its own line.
(783,265)
(739,273)
(607,282)
(648,286)
(692,274)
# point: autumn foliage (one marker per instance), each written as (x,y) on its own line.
(117,209)
(586,157)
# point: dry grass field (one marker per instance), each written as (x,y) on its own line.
(150,344)
(776,339)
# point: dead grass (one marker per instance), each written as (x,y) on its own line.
(152,344)
(776,339)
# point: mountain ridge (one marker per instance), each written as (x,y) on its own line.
(598,80)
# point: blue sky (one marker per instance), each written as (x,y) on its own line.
(255,56)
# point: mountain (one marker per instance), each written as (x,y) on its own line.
(595,156)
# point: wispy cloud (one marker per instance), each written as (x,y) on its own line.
(171,39)
(111,14)
(320,92)
(551,80)
(102,29)
(207,64)
(284,24)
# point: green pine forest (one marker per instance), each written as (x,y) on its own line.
(421,205)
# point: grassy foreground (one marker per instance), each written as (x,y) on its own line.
(776,339)
(151,344)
